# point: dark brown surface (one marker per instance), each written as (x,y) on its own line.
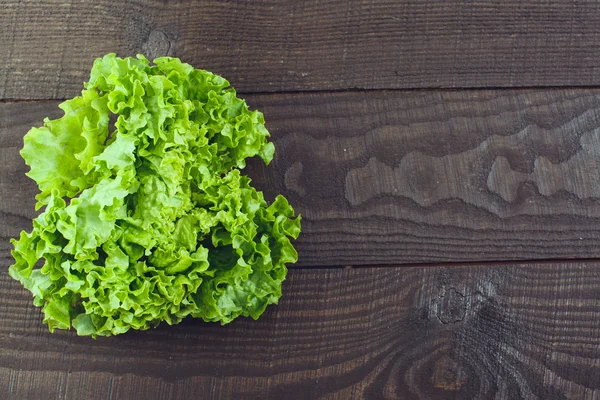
(381,178)
(504,332)
(406,177)
(48,46)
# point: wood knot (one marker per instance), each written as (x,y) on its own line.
(452,306)
(448,375)
(157,45)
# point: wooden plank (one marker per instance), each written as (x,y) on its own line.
(48,47)
(406,177)
(505,332)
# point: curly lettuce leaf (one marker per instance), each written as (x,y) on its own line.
(150,220)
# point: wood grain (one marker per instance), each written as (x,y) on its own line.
(48,47)
(504,332)
(406,177)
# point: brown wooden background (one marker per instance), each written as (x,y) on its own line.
(444,154)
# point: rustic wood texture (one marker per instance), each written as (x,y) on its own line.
(47,47)
(381,177)
(502,332)
(406,177)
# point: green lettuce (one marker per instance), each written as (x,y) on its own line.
(146,217)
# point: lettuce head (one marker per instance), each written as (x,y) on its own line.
(145,215)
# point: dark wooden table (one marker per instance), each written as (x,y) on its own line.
(445,157)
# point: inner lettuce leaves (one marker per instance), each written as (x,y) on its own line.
(146,217)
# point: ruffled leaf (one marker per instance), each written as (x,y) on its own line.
(152,222)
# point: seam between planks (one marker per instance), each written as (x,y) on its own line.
(483,263)
(361,90)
